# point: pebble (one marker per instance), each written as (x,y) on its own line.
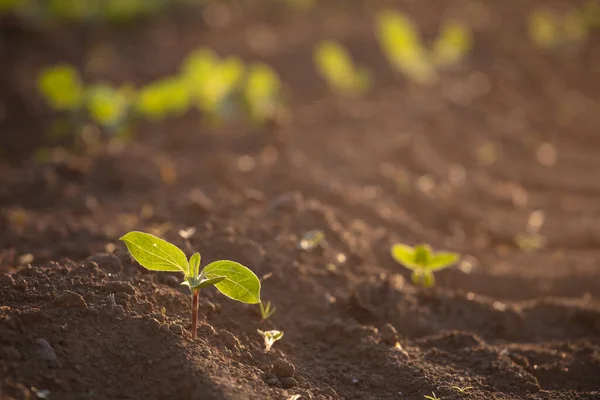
(288,382)
(10,353)
(329,391)
(389,335)
(71,299)
(282,368)
(120,287)
(7,281)
(206,330)
(230,340)
(376,381)
(45,351)
(274,382)
(106,261)
(176,329)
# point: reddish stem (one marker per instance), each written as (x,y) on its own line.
(194,312)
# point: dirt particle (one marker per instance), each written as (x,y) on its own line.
(206,330)
(376,381)
(118,310)
(45,350)
(21,284)
(200,202)
(176,329)
(106,261)
(70,299)
(229,340)
(169,280)
(10,353)
(388,334)
(120,287)
(330,392)
(274,382)
(7,281)
(288,382)
(282,368)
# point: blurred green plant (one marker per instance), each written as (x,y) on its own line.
(334,64)
(550,31)
(423,262)
(402,45)
(38,12)
(61,86)
(262,93)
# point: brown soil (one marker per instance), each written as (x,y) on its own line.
(518,325)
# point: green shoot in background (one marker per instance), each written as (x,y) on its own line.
(270,337)
(334,64)
(548,30)
(266,311)
(423,262)
(402,45)
(230,278)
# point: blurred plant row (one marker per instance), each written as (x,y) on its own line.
(37,12)
(220,88)
(225,88)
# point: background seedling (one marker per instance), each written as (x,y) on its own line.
(270,337)
(433,397)
(462,390)
(266,311)
(334,64)
(423,262)
(230,278)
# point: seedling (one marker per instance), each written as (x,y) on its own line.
(462,390)
(423,262)
(270,337)
(334,64)
(266,311)
(434,397)
(230,278)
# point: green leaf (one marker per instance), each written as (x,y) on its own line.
(194,265)
(199,284)
(154,253)
(422,255)
(239,284)
(404,255)
(424,278)
(442,260)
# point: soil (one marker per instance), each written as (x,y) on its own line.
(457,165)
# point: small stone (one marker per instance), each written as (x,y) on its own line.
(329,391)
(93,311)
(10,353)
(288,382)
(71,299)
(146,307)
(169,280)
(176,329)
(274,382)
(158,317)
(118,309)
(120,287)
(45,351)
(198,201)
(230,340)
(376,381)
(21,284)
(304,395)
(7,281)
(389,335)
(282,368)
(106,261)
(206,330)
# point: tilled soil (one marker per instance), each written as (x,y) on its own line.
(461,165)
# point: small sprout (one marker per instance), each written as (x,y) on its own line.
(270,337)
(61,87)
(262,93)
(423,262)
(266,311)
(335,65)
(462,390)
(230,278)
(312,239)
(434,397)
(452,44)
(402,46)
